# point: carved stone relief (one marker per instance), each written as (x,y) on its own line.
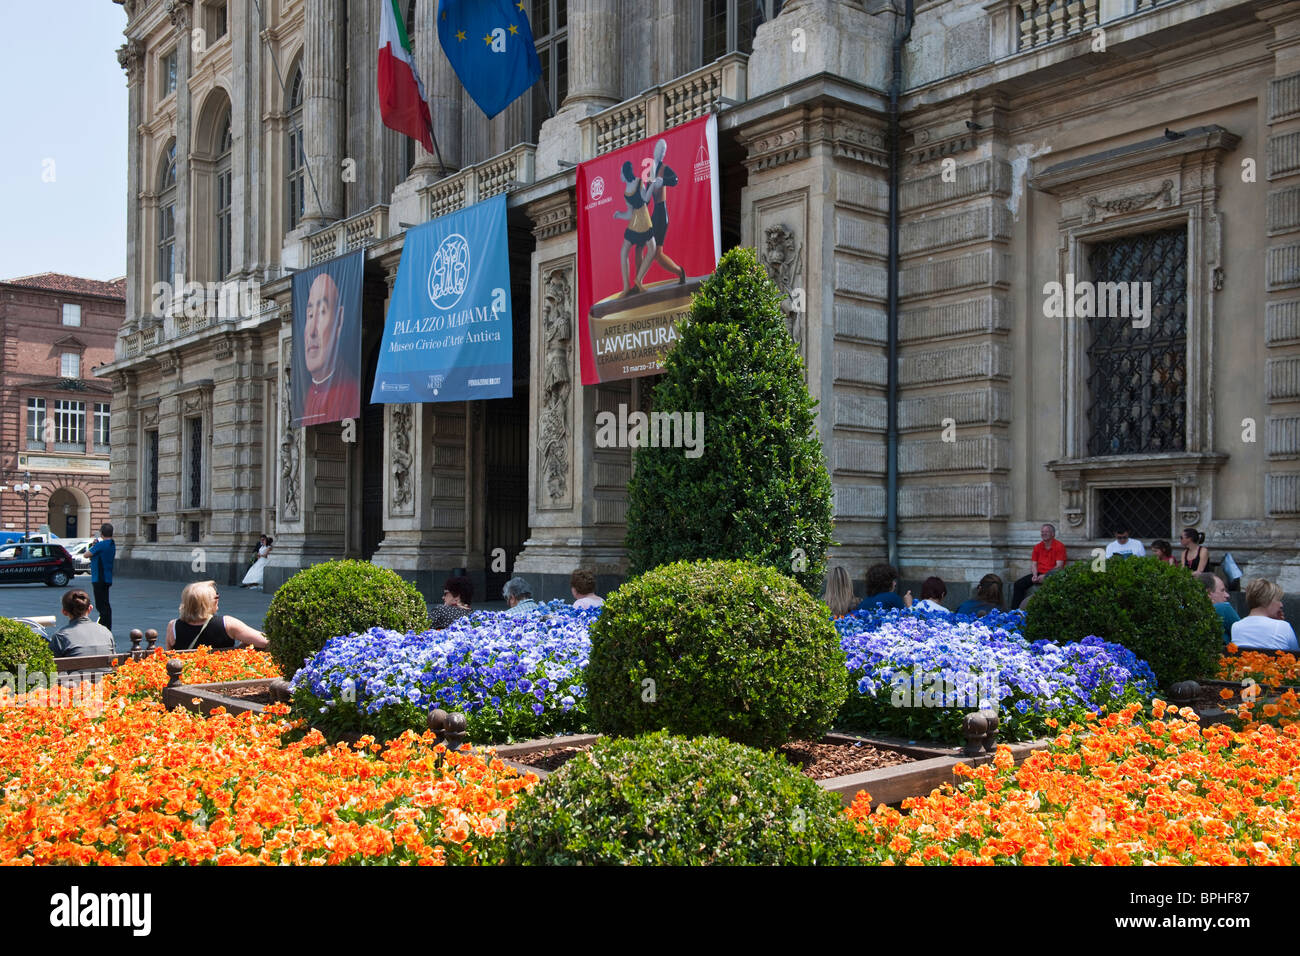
(782,256)
(289,450)
(403,496)
(557,385)
(1161,198)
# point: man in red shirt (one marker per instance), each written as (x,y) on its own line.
(1048,556)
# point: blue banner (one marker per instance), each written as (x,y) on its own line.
(447,335)
(490,46)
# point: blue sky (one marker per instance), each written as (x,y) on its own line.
(65,100)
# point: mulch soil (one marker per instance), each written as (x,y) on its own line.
(818,760)
(254,694)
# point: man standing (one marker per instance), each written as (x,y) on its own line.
(102,551)
(1048,556)
(1124,545)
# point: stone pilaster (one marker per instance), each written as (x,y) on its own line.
(1280,171)
(131,57)
(181,15)
(577,493)
(324,75)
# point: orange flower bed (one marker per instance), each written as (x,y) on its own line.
(146,677)
(136,784)
(1113,791)
(1266,669)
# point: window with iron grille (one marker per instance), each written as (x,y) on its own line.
(151,472)
(69,434)
(1138,376)
(195,499)
(224,183)
(101,426)
(550,25)
(195,531)
(36,424)
(1146,512)
(297,166)
(730,25)
(151,532)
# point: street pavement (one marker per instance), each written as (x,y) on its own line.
(137,602)
(144,603)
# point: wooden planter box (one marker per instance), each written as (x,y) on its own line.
(933,765)
(211,696)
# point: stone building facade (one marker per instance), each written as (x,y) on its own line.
(1041,141)
(55,415)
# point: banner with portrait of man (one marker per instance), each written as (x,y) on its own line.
(447,337)
(326,376)
(649,235)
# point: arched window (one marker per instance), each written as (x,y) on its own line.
(296,164)
(167,215)
(223,200)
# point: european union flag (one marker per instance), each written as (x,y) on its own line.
(490,46)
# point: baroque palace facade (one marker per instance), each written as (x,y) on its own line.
(1041,141)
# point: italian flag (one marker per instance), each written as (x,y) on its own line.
(402,102)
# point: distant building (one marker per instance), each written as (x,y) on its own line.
(54,413)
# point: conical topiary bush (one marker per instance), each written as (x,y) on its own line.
(760,490)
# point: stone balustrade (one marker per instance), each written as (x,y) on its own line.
(1021,25)
(346,235)
(663,107)
(501,173)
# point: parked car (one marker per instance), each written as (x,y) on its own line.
(36,563)
(79,555)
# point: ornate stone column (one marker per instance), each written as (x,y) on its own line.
(594,28)
(324,89)
(131,57)
(444,91)
(180,13)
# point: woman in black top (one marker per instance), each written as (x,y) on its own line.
(457,593)
(199,624)
(1196,558)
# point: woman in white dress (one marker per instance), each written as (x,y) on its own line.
(253,579)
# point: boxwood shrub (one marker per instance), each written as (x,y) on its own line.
(336,598)
(728,648)
(1158,611)
(661,799)
(19,644)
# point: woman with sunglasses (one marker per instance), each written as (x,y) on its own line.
(199,624)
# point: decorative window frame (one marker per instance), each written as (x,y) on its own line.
(194,401)
(1154,184)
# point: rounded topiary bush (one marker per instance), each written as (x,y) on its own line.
(338,597)
(661,799)
(20,645)
(715,647)
(1158,611)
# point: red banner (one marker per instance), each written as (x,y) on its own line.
(648,237)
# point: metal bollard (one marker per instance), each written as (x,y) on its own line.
(136,636)
(456,732)
(174,670)
(974,727)
(151,638)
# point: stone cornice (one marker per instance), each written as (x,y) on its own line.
(1078,174)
